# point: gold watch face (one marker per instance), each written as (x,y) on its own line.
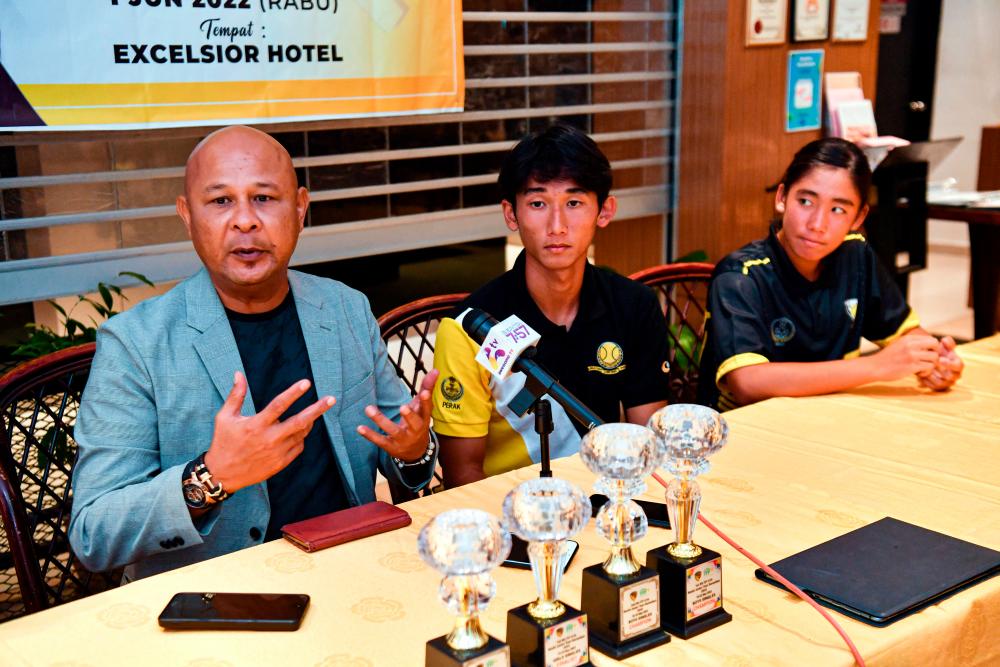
(194,495)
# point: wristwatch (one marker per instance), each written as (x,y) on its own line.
(201,490)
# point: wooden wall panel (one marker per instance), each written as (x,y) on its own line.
(629,245)
(733,141)
(703,99)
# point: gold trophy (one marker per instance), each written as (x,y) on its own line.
(464,545)
(621,597)
(546,512)
(690,575)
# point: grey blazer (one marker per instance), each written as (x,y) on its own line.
(161,372)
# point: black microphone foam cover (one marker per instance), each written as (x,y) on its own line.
(477,323)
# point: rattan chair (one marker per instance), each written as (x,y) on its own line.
(683,292)
(39,401)
(408,332)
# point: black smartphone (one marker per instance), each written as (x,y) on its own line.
(519,554)
(656,513)
(234,611)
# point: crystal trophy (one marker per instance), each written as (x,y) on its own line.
(620,596)
(690,575)
(464,545)
(545,513)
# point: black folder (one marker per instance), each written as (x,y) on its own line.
(883,571)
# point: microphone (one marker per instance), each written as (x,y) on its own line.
(478,324)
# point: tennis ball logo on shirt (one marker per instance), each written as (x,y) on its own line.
(610,358)
(610,355)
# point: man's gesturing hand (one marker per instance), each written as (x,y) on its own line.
(249,450)
(406,440)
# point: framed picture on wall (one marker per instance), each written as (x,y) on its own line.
(850,20)
(767,22)
(810,20)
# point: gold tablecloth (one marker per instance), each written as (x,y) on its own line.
(796,472)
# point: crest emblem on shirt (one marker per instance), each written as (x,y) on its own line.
(610,358)
(451,388)
(852,308)
(782,330)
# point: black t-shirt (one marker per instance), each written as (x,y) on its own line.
(762,309)
(275,357)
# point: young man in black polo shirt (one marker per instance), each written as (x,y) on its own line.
(603,336)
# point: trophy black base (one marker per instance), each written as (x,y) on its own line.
(540,643)
(690,591)
(439,654)
(623,612)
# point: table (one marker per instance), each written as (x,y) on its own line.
(796,472)
(984,247)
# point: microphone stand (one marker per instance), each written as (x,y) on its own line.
(525,400)
(543,426)
(529,400)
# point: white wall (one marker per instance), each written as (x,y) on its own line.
(966,97)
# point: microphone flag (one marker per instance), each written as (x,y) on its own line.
(503,344)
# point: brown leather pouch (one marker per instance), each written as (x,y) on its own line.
(345,526)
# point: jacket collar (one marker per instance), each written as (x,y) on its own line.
(204,308)
(305,293)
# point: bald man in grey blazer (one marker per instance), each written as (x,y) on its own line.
(181,447)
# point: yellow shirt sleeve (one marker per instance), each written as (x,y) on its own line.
(911,322)
(463,402)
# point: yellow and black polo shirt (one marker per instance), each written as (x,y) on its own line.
(612,357)
(762,309)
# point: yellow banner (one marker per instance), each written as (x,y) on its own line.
(124,64)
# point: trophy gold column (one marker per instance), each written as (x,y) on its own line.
(546,512)
(620,596)
(464,545)
(690,575)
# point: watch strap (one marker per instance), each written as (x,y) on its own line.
(213,488)
(196,472)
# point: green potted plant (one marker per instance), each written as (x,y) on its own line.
(43,340)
